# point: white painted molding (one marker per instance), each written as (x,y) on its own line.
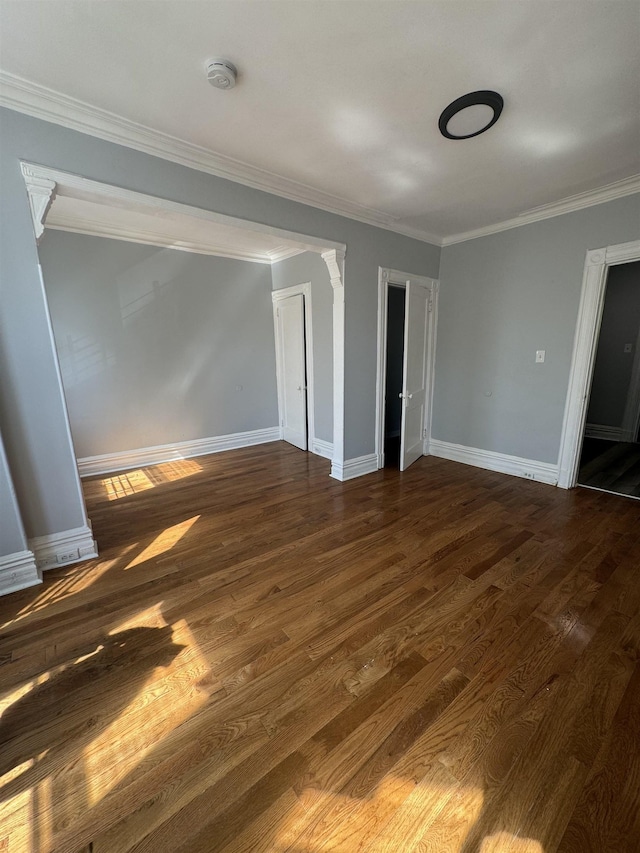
(109,463)
(61,549)
(278,296)
(335,261)
(610,192)
(57,222)
(322,448)
(75,186)
(609,433)
(517,466)
(357,467)
(18,571)
(38,101)
(41,192)
(584,352)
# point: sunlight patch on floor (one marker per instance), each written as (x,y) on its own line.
(505,842)
(162,703)
(164,541)
(138,480)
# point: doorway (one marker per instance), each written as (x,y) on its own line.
(407,310)
(292,317)
(610,454)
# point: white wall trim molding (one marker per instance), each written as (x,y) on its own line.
(41,192)
(609,192)
(75,186)
(38,101)
(108,463)
(61,549)
(352,468)
(322,448)
(278,296)
(594,282)
(517,466)
(609,433)
(388,277)
(334,259)
(147,238)
(18,571)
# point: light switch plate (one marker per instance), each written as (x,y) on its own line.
(540,354)
(628,347)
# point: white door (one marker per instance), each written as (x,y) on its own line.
(414,380)
(290,318)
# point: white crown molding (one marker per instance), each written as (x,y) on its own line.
(38,101)
(93,228)
(610,192)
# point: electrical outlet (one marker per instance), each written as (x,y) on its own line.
(528,475)
(67,557)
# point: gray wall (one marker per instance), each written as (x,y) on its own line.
(502,298)
(309,267)
(12,538)
(156,345)
(32,413)
(620,325)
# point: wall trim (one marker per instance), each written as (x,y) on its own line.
(148,238)
(517,466)
(18,571)
(322,448)
(108,463)
(594,283)
(357,467)
(609,433)
(24,96)
(609,192)
(64,548)
(38,101)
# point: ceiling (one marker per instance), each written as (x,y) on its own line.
(337,103)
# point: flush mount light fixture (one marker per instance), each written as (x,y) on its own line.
(470,115)
(221,73)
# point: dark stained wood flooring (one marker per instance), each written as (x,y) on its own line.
(265,659)
(611,465)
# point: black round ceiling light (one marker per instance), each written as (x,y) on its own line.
(470,115)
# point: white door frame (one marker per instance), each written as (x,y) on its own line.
(277,296)
(594,284)
(387,277)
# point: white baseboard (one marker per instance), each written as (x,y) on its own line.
(607,432)
(61,549)
(18,571)
(357,467)
(107,463)
(529,469)
(322,448)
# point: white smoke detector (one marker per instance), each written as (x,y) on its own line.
(221,73)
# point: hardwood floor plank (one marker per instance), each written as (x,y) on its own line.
(265,659)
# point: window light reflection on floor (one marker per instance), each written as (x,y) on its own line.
(140,480)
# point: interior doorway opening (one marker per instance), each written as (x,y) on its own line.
(610,453)
(396,303)
(407,318)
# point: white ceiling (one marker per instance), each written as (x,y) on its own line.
(338,102)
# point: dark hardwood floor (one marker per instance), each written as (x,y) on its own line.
(611,465)
(265,659)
